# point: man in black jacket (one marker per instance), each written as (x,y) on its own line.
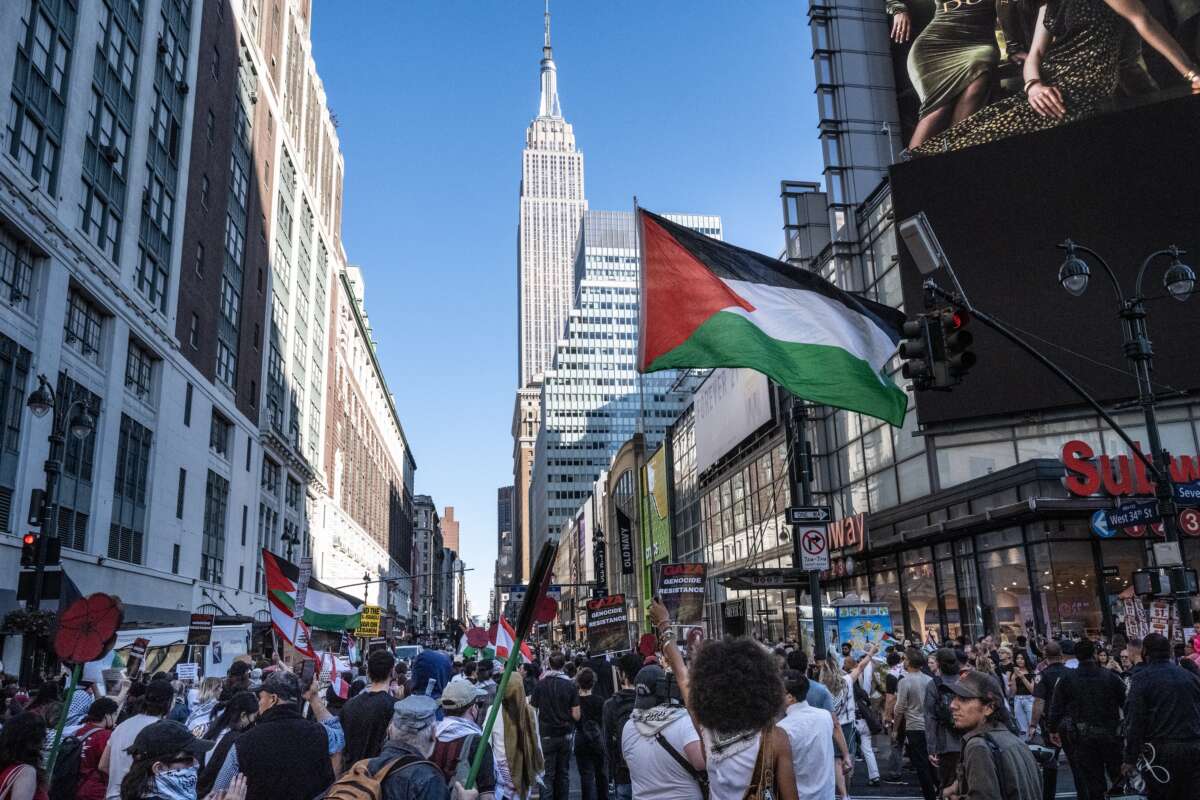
(1163,710)
(284,754)
(616,713)
(1085,715)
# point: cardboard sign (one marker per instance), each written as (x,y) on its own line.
(186,671)
(137,656)
(681,588)
(369,621)
(200,630)
(608,625)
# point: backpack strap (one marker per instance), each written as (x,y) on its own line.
(995,748)
(698,775)
(397,764)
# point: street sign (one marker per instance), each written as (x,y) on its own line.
(798,515)
(814,549)
(1189,522)
(1187,494)
(1136,513)
(1167,554)
(767,578)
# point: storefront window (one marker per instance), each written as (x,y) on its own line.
(971,610)
(1071,600)
(921,593)
(885,588)
(1004,577)
(948,590)
(960,464)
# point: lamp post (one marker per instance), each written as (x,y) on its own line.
(289,541)
(73,416)
(1179,280)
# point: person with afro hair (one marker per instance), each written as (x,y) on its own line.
(735,694)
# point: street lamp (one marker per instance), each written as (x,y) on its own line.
(1179,280)
(76,417)
(289,540)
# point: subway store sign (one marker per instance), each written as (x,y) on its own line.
(1125,476)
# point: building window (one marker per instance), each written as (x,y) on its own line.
(292,493)
(175,559)
(16,270)
(187,404)
(199,260)
(180,493)
(75,482)
(194,332)
(226,365)
(84,324)
(139,370)
(38,101)
(127,531)
(270,476)
(219,435)
(212,551)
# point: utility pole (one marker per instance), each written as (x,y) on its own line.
(800,475)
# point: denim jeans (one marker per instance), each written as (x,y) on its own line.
(593,778)
(556,750)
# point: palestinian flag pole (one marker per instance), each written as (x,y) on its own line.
(705,303)
(540,579)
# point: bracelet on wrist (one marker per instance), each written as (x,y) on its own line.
(1032,82)
(1190,75)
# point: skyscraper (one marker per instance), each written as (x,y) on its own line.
(552,207)
(592,398)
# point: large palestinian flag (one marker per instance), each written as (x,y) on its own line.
(324,606)
(705,303)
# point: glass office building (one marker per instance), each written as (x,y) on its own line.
(593,399)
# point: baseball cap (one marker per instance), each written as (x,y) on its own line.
(460,694)
(415,713)
(167,737)
(651,687)
(973,686)
(159,691)
(282,683)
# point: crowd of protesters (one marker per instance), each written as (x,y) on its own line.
(725,719)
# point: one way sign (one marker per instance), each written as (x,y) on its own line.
(798,515)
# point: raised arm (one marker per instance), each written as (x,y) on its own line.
(1150,29)
(1045,100)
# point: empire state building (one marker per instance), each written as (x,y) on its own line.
(552,207)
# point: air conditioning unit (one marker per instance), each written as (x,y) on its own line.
(110,153)
(182,87)
(252,95)
(162,44)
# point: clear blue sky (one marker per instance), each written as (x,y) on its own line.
(693,105)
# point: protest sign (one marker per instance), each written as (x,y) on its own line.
(302,588)
(137,656)
(369,621)
(608,625)
(861,625)
(186,671)
(200,630)
(681,588)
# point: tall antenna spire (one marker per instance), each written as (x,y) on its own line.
(549,107)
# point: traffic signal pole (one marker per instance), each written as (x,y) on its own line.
(800,479)
(49,512)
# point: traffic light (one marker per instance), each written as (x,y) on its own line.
(29,545)
(916,350)
(956,358)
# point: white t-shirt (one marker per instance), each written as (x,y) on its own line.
(118,760)
(730,771)
(843,704)
(810,733)
(652,770)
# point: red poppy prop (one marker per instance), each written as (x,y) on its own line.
(88,628)
(477,637)
(547,609)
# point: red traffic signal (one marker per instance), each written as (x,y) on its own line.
(29,550)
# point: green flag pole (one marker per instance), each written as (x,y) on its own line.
(62,719)
(539,584)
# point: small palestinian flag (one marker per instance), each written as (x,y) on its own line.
(705,303)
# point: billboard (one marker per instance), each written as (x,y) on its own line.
(730,405)
(1123,184)
(861,625)
(969,72)
(656,510)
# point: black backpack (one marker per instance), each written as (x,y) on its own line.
(941,711)
(64,783)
